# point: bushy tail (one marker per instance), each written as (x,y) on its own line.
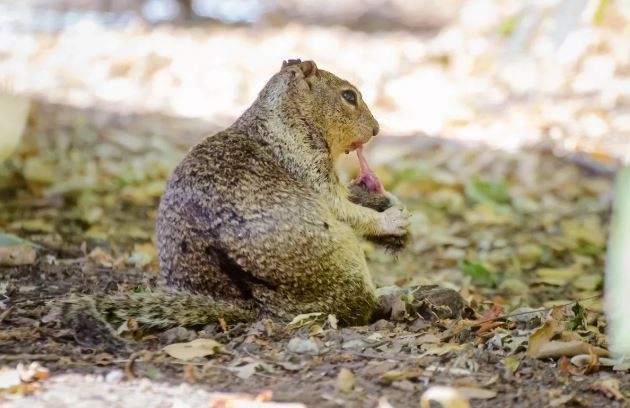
(94,318)
(161,310)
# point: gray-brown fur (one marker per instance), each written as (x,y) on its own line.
(244,220)
(254,221)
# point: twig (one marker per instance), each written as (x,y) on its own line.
(127,361)
(16,357)
(4,314)
(545,309)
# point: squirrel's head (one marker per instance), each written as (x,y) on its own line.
(328,102)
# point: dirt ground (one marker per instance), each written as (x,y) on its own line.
(510,231)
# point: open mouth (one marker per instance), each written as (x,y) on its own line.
(367,179)
(354,146)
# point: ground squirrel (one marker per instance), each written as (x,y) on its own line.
(255,222)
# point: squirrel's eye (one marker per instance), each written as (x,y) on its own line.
(350,96)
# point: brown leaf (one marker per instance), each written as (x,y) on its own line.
(565,366)
(553,349)
(399,375)
(16,255)
(541,337)
(193,349)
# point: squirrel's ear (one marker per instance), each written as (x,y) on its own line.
(302,72)
(307,68)
(290,62)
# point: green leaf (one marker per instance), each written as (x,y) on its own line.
(485,191)
(12,240)
(479,273)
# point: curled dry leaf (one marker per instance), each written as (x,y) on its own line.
(304,319)
(540,344)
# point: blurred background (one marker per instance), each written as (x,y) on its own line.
(504,72)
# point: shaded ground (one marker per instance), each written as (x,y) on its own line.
(507,230)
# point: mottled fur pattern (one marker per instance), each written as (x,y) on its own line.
(254,221)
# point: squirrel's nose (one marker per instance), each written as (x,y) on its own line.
(375,130)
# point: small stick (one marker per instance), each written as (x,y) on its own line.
(544,309)
(17,357)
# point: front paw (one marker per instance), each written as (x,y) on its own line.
(393,200)
(395,221)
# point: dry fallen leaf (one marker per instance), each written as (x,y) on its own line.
(441,349)
(564,365)
(304,319)
(448,397)
(345,380)
(247,370)
(476,393)
(193,349)
(101,257)
(399,375)
(332,321)
(555,348)
(303,346)
(561,401)
(609,387)
(559,276)
(16,255)
(512,363)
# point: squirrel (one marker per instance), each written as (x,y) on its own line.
(255,222)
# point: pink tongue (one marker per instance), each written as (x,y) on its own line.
(367,178)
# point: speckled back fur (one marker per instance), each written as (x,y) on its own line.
(244,220)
